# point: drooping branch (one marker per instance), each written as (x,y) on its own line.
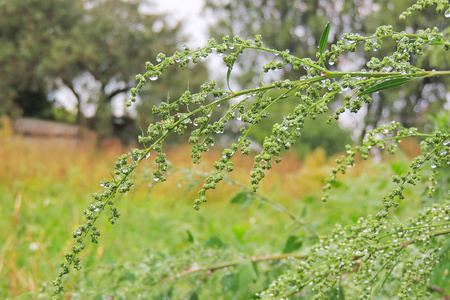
(117,92)
(77,96)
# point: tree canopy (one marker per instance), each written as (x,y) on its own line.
(296,26)
(92,48)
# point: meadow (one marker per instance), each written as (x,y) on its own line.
(45,186)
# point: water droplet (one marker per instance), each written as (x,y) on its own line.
(34,246)
(231,47)
(447,14)
(158,59)
(153,77)
(331,62)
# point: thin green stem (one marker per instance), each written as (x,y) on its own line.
(413,228)
(303,61)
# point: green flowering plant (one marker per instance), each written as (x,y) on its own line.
(378,252)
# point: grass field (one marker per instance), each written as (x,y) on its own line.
(45,187)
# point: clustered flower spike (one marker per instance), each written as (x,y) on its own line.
(316,92)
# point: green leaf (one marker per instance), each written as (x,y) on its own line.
(229,283)
(243,197)
(324,38)
(304,211)
(387,84)
(127,276)
(214,242)
(190,236)
(292,243)
(246,275)
(239,231)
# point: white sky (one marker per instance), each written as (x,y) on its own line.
(190,12)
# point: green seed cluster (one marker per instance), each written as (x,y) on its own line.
(211,112)
(441,6)
(367,255)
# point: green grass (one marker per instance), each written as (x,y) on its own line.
(159,234)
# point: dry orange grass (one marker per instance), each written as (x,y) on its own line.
(80,166)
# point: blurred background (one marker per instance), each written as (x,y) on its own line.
(67,67)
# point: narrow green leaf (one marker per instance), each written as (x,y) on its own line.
(304,211)
(387,84)
(324,38)
(292,243)
(207,122)
(190,236)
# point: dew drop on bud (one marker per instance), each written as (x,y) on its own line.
(153,78)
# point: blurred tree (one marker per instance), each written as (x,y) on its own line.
(297,25)
(28,32)
(92,47)
(108,48)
